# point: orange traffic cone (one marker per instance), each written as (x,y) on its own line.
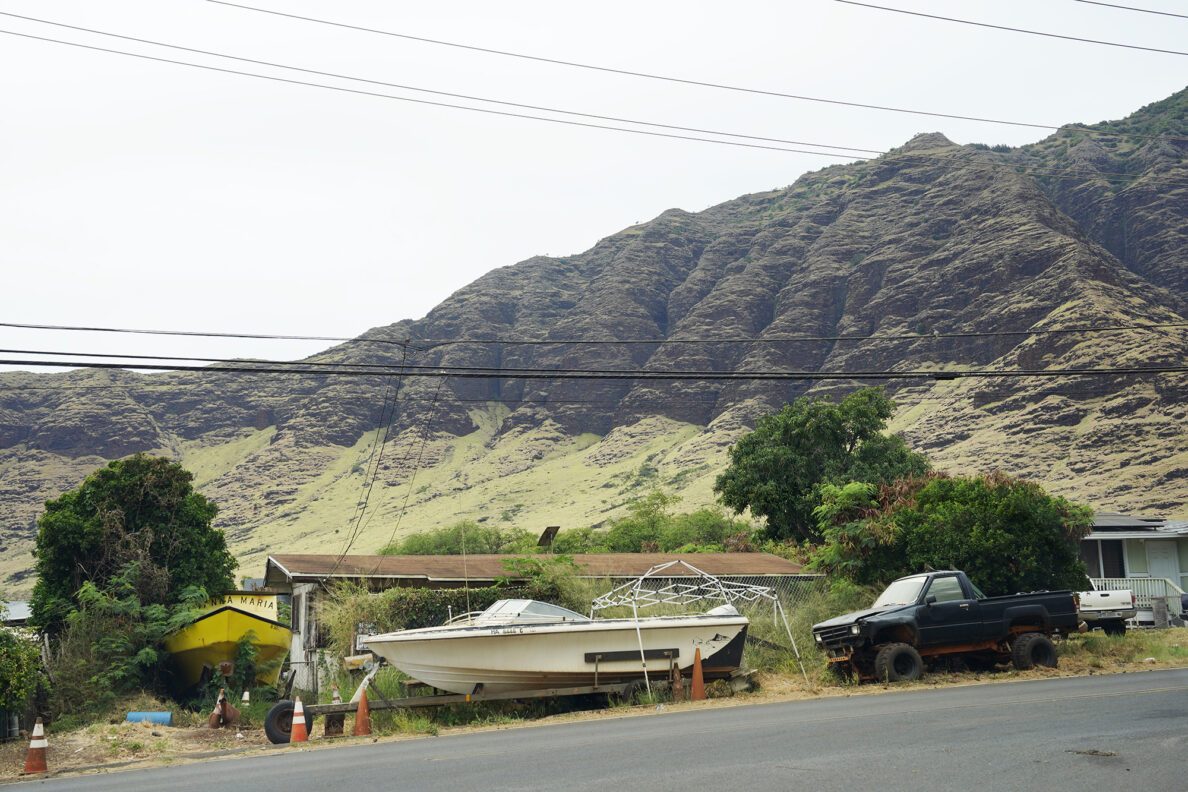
(298,732)
(336,698)
(363,717)
(697,686)
(35,759)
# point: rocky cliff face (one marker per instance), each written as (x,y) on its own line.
(935,256)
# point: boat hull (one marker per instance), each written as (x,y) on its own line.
(511,658)
(213,638)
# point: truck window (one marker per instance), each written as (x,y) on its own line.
(904,591)
(946,589)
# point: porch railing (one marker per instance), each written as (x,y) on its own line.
(1144,590)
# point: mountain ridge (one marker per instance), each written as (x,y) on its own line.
(933,256)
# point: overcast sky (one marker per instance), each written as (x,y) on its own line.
(141,194)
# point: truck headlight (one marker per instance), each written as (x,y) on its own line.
(817,637)
(855,629)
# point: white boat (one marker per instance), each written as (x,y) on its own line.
(520,644)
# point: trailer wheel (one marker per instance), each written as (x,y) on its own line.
(898,662)
(1114,627)
(1033,649)
(278,723)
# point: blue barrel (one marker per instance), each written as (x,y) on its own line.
(162,718)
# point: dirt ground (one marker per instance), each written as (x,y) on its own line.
(115,746)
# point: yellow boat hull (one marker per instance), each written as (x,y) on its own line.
(213,637)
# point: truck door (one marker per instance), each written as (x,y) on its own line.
(952,618)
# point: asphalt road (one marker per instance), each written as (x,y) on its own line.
(1105,732)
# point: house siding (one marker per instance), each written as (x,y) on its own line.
(1182,547)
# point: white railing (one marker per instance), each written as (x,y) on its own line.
(1144,589)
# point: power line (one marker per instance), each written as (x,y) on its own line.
(429,343)
(196,333)
(378,453)
(386,368)
(750,376)
(430,103)
(664,78)
(954,164)
(416,465)
(1132,8)
(550,401)
(467,97)
(1011,29)
(433,344)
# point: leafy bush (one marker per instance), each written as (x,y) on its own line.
(463,537)
(113,644)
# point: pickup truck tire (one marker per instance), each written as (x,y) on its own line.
(898,662)
(1114,627)
(1033,649)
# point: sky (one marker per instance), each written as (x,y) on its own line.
(141,194)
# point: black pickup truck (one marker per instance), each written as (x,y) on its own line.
(942,615)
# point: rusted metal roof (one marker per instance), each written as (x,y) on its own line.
(447,570)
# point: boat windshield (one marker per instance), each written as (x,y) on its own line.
(901,592)
(523,610)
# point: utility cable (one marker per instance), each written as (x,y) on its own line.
(382,369)
(427,102)
(1132,8)
(381,440)
(749,376)
(963,164)
(196,333)
(449,94)
(1011,29)
(430,344)
(427,428)
(664,78)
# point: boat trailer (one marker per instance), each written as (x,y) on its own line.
(279,721)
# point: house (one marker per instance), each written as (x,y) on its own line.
(304,578)
(1148,555)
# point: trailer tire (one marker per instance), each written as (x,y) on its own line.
(1114,627)
(1033,649)
(278,723)
(898,662)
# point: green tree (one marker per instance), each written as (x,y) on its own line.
(708,530)
(778,469)
(138,518)
(465,536)
(641,529)
(1007,534)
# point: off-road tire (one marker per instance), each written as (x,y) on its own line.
(1033,649)
(278,723)
(898,662)
(1114,627)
